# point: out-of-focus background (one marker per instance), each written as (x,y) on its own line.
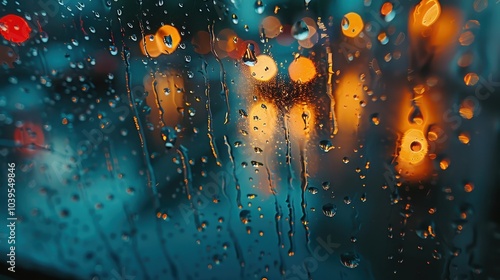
(234,139)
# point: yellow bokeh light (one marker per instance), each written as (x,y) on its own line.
(413,146)
(302,70)
(167,39)
(302,121)
(352,25)
(265,69)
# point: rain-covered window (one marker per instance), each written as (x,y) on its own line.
(249,139)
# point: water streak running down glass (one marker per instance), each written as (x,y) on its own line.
(235,139)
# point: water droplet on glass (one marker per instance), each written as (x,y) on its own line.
(326,145)
(235,19)
(347,200)
(44,36)
(113,50)
(350,259)
(167,40)
(249,58)
(169,136)
(375,119)
(329,210)
(300,31)
(259,7)
(312,190)
(245,216)
(325,185)
(345,23)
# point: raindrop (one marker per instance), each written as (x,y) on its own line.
(113,50)
(168,41)
(329,210)
(326,145)
(259,7)
(326,185)
(416,115)
(249,58)
(426,230)
(235,19)
(363,197)
(245,216)
(375,119)
(347,200)
(350,259)
(300,31)
(313,190)
(44,36)
(256,163)
(471,79)
(169,136)
(345,23)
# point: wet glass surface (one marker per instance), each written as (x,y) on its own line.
(235,139)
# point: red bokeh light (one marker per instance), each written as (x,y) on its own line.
(29,136)
(14,28)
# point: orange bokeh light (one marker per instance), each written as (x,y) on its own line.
(265,69)
(302,70)
(149,46)
(352,25)
(426,12)
(167,39)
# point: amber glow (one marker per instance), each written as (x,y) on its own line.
(414,146)
(149,46)
(302,121)
(265,69)
(167,39)
(427,12)
(168,94)
(414,160)
(349,95)
(386,8)
(262,122)
(443,34)
(467,108)
(352,24)
(302,70)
